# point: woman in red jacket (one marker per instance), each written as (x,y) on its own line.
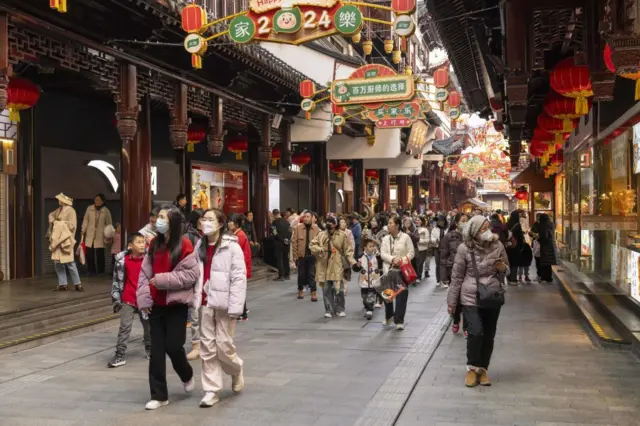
(234,224)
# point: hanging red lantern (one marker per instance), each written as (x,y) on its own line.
(195,135)
(558,158)
(403,7)
(21,94)
(339,168)
(276,154)
(193,17)
(300,159)
(371,175)
(564,109)
(307,89)
(455,99)
(441,77)
(238,145)
(572,81)
(555,125)
(542,135)
(522,194)
(631,74)
(337,109)
(537,148)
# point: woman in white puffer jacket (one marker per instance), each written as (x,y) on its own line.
(221,291)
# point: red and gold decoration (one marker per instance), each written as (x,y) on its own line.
(339,168)
(556,126)
(276,154)
(300,159)
(59,5)
(195,135)
(238,145)
(522,194)
(631,73)
(572,81)
(454,101)
(338,117)
(371,175)
(564,109)
(21,94)
(193,17)
(441,81)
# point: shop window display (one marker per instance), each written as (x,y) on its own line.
(219,188)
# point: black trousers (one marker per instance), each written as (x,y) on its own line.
(457,316)
(420,258)
(438,277)
(307,273)
(92,266)
(282,258)
(401,307)
(168,334)
(545,273)
(537,259)
(482,324)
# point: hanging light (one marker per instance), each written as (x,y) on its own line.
(367,47)
(356,37)
(388,46)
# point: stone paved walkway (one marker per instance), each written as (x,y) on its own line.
(545,371)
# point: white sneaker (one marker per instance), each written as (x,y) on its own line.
(209,400)
(445,285)
(438,284)
(378,305)
(237,382)
(342,314)
(369,315)
(399,327)
(154,405)
(327,315)
(190,385)
(387,322)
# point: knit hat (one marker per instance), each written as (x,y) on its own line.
(64,199)
(472,227)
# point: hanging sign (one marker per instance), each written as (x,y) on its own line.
(376,89)
(404,26)
(396,115)
(454,113)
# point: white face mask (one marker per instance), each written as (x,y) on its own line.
(210,227)
(486,236)
(162,225)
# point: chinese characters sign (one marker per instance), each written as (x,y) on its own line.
(400,115)
(376,89)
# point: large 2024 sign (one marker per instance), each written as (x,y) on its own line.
(294,24)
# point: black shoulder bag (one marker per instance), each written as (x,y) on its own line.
(487,297)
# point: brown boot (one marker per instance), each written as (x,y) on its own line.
(195,351)
(483,377)
(314,296)
(300,294)
(472,379)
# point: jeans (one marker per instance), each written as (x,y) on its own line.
(401,307)
(61,271)
(482,324)
(282,259)
(127,313)
(523,270)
(333,296)
(307,273)
(168,334)
(93,254)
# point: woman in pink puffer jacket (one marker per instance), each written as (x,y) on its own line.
(221,291)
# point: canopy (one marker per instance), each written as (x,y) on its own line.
(475,202)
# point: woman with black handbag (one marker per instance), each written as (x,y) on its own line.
(476,283)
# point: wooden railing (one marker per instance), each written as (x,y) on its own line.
(220,8)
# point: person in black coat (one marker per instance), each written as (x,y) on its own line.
(514,245)
(547,248)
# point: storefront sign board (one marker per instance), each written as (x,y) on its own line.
(393,88)
(609,223)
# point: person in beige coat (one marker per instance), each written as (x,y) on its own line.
(62,231)
(329,248)
(96,218)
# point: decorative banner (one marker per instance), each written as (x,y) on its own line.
(261,6)
(442,93)
(396,115)
(348,20)
(376,89)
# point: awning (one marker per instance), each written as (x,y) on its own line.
(475,202)
(387,145)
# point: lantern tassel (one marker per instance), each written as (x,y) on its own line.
(637,90)
(307,115)
(196,61)
(567,126)
(559,138)
(274,162)
(14,115)
(239,155)
(582,106)
(190,147)
(338,129)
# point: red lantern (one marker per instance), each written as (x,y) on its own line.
(337,109)
(441,77)
(543,135)
(21,94)
(455,99)
(558,158)
(563,109)
(238,145)
(195,135)
(300,159)
(275,155)
(340,167)
(522,195)
(193,18)
(572,81)
(307,89)
(631,74)
(555,125)
(537,148)
(403,7)
(371,175)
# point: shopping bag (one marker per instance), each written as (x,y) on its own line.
(81,252)
(409,274)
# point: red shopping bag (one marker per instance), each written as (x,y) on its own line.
(409,274)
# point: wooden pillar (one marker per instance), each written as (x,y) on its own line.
(442,205)
(215,136)
(139,202)
(415,185)
(5,67)
(320,179)
(359,185)
(384,191)
(260,201)
(285,152)
(403,191)
(178,132)
(433,192)
(127,119)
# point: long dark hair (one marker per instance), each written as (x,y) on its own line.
(454,222)
(174,245)
(222,221)
(237,219)
(194,217)
(514,219)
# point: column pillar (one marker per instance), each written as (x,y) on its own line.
(359,185)
(415,185)
(285,152)
(403,193)
(127,117)
(384,190)
(260,201)
(432,189)
(320,179)
(139,202)
(178,131)
(442,193)
(215,136)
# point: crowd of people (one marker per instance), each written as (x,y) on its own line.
(193,266)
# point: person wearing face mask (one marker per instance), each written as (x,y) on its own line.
(96,218)
(480,261)
(332,250)
(437,234)
(221,290)
(61,235)
(194,233)
(165,291)
(410,228)
(448,250)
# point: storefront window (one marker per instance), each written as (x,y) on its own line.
(215,187)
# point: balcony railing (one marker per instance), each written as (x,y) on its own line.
(220,8)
